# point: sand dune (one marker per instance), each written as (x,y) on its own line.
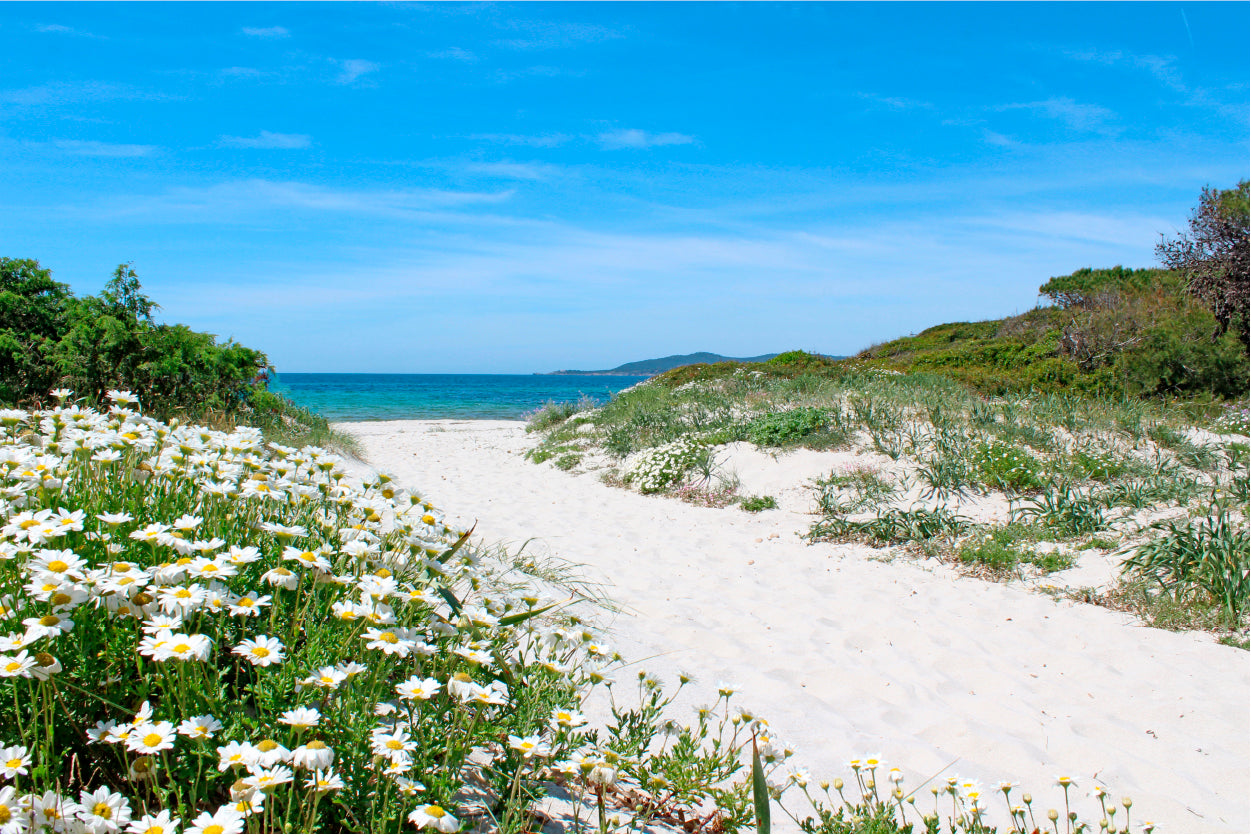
(846,654)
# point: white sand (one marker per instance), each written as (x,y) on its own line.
(848,655)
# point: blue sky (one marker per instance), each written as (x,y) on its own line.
(525,187)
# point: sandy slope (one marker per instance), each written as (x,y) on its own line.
(847,655)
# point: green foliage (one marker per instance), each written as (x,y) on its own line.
(1003,549)
(807,425)
(1091,287)
(1007,468)
(90,345)
(755,504)
(32,319)
(892,527)
(1208,558)
(1064,510)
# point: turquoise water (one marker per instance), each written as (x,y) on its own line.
(343,397)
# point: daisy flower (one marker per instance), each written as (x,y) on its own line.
(262,651)
(225,821)
(562,718)
(418,688)
(267,753)
(14,761)
(433,817)
(249,604)
(199,727)
(103,810)
(314,755)
(301,718)
(268,778)
(20,665)
(395,641)
(235,753)
(151,738)
(50,811)
(324,781)
(528,746)
(48,626)
(157,824)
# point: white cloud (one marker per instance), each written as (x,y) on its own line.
(58,29)
(894,102)
(548,140)
(512,170)
(266,139)
(634,138)
(1081,117)
(102,149)
(272,32)
(454,53)
(239,202)
(354,68)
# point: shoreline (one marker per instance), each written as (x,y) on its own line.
(848,655)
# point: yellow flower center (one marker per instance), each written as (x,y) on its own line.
(246,602)
(60,599)
(209,569)
(389,637)
(316,745)
(102,810)
(435,811)
(151,740)
(49,620)
(28,524)
(266,745)
(154,830)
(13,763)
(121,567)
(260,652)
(213,829)
(181,648)
(183,560)
(5,814)
(429,520)
(58,566)
(394,744)
(183,593)
(12,667)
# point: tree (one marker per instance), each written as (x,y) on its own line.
(32,315)
(1213,258)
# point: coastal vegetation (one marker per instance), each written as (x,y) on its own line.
(206,632)
(52,339)
(1111,421)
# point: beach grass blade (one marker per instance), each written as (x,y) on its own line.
(760,789)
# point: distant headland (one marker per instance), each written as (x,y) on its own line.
(663,364)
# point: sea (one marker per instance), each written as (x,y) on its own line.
(353,397)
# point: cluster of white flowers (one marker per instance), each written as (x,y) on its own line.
(653,470)
(208,567)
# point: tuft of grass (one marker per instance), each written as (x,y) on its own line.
(1205,560)
(892,527)
(755,504)
(1064,510)
(568,461)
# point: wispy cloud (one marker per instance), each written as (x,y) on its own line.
(1080,117)
(537,34)
(353,69)
(453,53)
(894,102)
(58,29)
(58,92)
(84,148)
(266,139)
(1162,67)
(546,140)
(512,170)
(269,32)
(240,201)
(539,71)
(634,138)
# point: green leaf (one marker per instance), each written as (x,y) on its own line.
(446,555)
(523,616)
(447,595)
(759,789)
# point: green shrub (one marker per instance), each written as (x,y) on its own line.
(1208,558)
(788,428)
(1064,510)
(755,504)
(1007,468)
(893,526)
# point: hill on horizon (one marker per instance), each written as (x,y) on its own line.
(662,364)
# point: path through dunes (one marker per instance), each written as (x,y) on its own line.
(847,655)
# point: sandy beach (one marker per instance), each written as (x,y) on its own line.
(847,654)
